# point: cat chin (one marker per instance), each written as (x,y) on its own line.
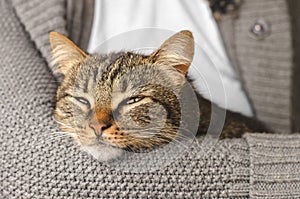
(103,153)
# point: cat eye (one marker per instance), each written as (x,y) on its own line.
(133,100)
(83,101)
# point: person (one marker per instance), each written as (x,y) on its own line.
(212,73)
(260,41)
(252,51)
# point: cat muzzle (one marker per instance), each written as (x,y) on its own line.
(99,127)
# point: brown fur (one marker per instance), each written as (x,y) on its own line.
(109,102)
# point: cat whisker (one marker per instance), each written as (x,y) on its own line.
(68,127)
(130,149)
(144,129)
(59,134)
(192,134)
(178,139)
(145,142)
(62,133)
(55,138)
(177,142)
(64,124)
(135,142)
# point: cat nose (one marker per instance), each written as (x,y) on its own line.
(99,127)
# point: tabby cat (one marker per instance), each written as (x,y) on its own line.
(107,102)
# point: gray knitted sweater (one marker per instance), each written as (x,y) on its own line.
(34,164)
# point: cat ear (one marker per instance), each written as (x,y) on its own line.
(177,51)
(65,53)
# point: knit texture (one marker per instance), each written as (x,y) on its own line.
(36,164)
(275,166)
(265,63)
(39,18)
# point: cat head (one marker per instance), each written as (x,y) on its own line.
(121,101)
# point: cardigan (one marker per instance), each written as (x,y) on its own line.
(37,164)
(266,59)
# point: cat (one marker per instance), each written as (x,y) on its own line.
(104,100)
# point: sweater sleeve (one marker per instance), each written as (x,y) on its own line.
(274,165)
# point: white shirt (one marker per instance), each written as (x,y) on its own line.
(145,24)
